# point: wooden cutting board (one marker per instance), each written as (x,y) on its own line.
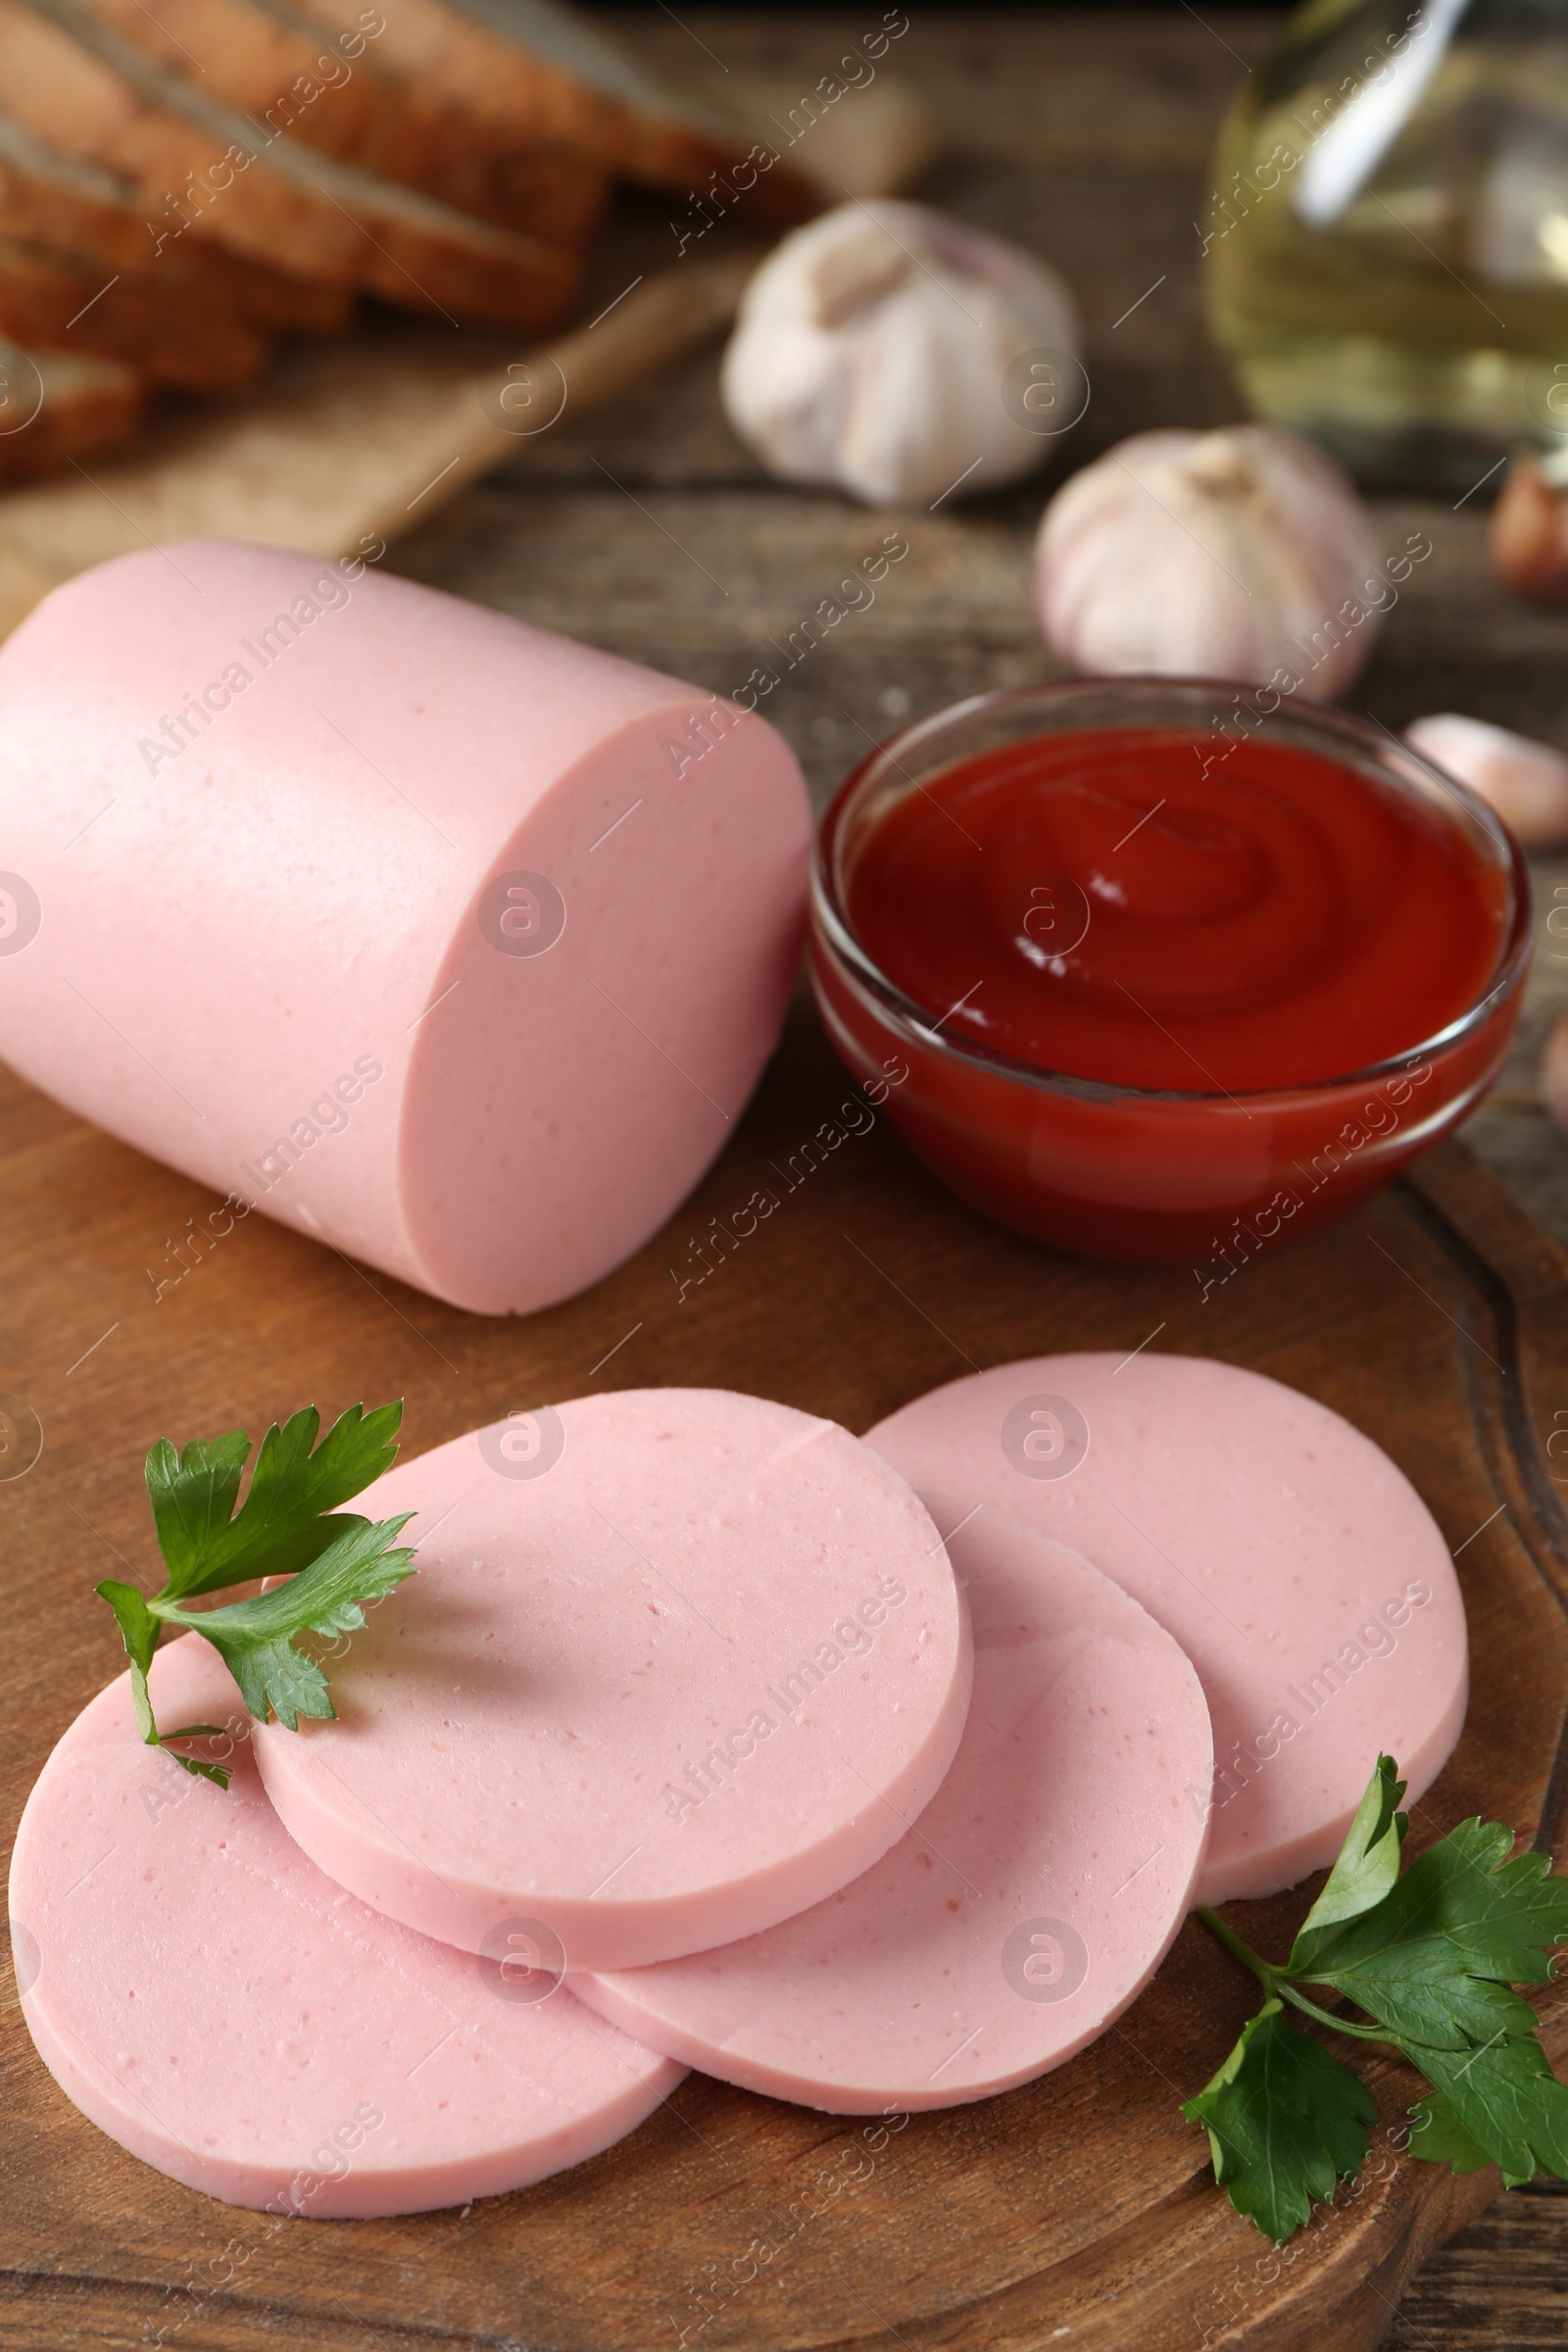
(1078,2210)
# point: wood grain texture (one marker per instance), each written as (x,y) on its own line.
(1082,2202)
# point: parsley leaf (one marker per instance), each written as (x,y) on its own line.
(280,1528)
(1506,2100)
(1434,1960)
(138,1630)
(255,1639)
(1430,1959)
(287,1527)
(1285,2121)
(1368,1866)
(1441,2139)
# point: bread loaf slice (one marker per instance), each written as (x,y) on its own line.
(550,74)
(330,89)
(206,171)
(54,407)
(63,204)
(67,304)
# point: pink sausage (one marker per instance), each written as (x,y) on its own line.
(224,2011)
(1028,1905)
(676,1663)
(452,943)
(1295,1565)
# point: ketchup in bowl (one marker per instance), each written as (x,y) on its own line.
(1165,988)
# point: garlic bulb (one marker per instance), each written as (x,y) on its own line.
(1525,782)
(872,354)
(1234,554)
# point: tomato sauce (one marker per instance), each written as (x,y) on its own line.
(1154,909)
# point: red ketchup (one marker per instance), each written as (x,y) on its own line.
(1254,923)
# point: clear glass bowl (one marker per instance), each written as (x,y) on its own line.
(1116,1172)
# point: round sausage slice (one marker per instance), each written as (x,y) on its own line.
(224,2011)
(676,1664)
(1026,1907)
(1295,1565)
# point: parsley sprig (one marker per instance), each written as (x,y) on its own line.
(1430,1959)
(288,1526)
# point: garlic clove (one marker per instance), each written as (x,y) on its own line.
(1554,1073)
(1524,781)
(1528,532)
(1236,553)
(871,350)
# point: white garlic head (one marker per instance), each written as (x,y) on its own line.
(1227,554)
(1526,782)
(872,352)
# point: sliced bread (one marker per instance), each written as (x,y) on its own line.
(54,407)
(63,204)
(550,74)
(68,305)
(206,169)
(330,89)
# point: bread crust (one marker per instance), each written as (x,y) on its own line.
(84,406)
(63,205)
(330,88)
(67,303)
(205,171)
(527,95)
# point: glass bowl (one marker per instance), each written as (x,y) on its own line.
(1116,1172)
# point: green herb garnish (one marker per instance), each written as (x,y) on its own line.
(1430,1959)
(287,1526)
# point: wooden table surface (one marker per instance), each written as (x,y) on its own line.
(646,528)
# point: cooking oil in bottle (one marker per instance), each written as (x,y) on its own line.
(1386,242)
